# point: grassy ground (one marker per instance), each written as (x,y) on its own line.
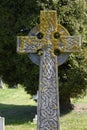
(19,109)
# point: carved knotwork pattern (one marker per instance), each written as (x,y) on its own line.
(24,44)
(30,44)
(70,44)
(48,102)
(48,105)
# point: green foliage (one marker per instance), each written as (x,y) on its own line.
(19,111)
(73,76)
(17,18)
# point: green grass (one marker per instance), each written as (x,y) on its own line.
(82,99)
(74,121)
(19,109)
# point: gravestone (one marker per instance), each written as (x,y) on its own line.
(35,97)
(53,42)
(1,83)
(35,119)
(2,123)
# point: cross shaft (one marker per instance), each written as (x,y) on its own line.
(48,101)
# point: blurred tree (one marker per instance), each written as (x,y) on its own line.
(18,18)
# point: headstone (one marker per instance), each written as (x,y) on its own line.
(2,123)
(1,83)
(35,120)
(46,39)
(35,97)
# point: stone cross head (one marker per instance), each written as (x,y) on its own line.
(49,33)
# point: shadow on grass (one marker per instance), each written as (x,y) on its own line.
(64,112)
(17,114)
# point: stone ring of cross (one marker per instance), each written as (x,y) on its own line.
(35,57)
(48,33)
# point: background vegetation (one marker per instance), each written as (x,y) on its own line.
(18,18)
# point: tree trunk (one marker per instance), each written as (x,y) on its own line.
(65,104)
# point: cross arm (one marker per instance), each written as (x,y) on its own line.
(70,44)
(29,44)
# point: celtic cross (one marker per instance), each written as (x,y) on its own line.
(49,39)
